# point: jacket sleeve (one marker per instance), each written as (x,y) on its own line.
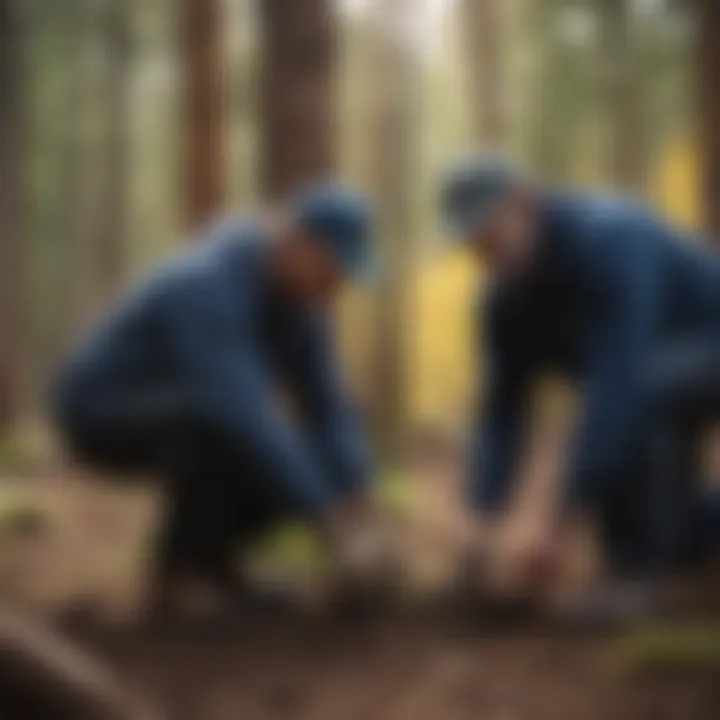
(623,324)
(229,386)
(333,423)
(499,427)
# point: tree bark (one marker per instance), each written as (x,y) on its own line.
(74,199)
(626,148)
(483,34)
(297,118)
(44,676)
(708,62)
(202,52)
(396,138)
(549,148)
(12,200)
(114,210)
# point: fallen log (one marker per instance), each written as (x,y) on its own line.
(46,677)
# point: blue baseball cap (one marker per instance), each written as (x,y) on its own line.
(472,188)
(342,221)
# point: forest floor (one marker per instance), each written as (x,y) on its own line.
(69,541)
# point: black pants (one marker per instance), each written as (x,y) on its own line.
(216,501)
(657,516)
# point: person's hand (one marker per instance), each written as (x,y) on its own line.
(346,519)
(363,561)
(360,545)
(479,554)
(361,551)
(360,510)
(540,558)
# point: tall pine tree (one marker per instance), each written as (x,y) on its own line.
(297,108)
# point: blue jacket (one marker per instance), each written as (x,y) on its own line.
(609,287)
(210,331)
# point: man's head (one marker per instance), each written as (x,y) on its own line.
(327,240)
(493,208)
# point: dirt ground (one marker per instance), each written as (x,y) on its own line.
(76,543)
(397,671)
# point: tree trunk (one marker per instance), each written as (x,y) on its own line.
(114,203)
(397,150)
(297,117)
(12,198)
(483,34)
(626,156)
(549,148)
(708,62)
(74,200)
(202,51)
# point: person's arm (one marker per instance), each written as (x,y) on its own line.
(362,552)
(613,409)
(228,385)
(332,421)
(496,442)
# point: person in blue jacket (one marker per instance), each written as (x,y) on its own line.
(219,374)
(603,291)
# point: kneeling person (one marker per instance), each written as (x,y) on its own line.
(218,374)
(604,292)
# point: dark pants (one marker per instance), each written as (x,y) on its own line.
(216,501)
(657,516)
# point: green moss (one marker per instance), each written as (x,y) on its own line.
(294,548)
(16,455)
(298,549)
(11,454)
(19,516)
(396,494)
(671,648)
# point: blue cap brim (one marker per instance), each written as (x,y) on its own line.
(464,225)
(363,270)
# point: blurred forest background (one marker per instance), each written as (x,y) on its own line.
(126,125)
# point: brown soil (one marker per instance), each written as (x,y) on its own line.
(404,665)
